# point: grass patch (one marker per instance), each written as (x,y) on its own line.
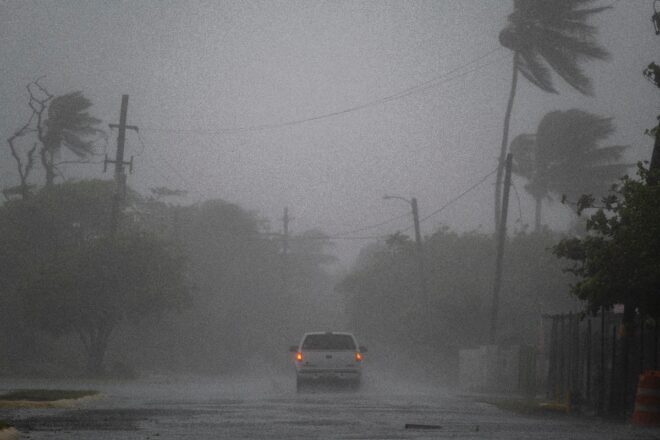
(4,425)
(528,407)
(46,395)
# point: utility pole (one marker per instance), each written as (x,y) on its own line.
(655,156)
(652,72)
(501,238)
(120,177)
(285,251)
(420,249)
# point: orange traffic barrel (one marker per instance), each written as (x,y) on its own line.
(647,402)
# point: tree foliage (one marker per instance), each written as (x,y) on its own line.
(68,125)
(553,36)
(564,157)
(55,123)
(619,261)
(547,36)
(91,289)
(249,299)
(71,278)
(386,307)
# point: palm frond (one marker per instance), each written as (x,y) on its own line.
(553,32)
(70,125)
(582,48)
(576,29)
(582,14)
(608,173)
(77,145)
(535,72)
(565,64)
(607,155)
(568,156)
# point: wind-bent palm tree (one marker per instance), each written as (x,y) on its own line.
(68,125)
(564,157)
(547,36)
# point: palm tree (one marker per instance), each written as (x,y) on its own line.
(564,157)
(68,125)
(547,36)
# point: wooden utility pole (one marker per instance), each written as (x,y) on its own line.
(420,252)
(120,176)
(501,238)
(652,72)
(421,277)
(285,251)
(654,167)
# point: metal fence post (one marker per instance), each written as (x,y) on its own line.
(612,371)
(588,360)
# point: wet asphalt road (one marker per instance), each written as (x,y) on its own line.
(271,409)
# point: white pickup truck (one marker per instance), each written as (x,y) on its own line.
(328,357)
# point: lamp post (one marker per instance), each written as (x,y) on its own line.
(418,240)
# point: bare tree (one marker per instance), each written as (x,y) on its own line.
(57,122)
(38,98)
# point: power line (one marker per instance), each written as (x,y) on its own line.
(320,237)
(442,79)
(383,236)
(160,157)
(455,199)
(366,228)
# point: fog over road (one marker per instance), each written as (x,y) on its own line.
(270,409)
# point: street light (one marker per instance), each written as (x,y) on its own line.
(418,240)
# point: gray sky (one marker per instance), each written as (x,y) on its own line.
(197,70)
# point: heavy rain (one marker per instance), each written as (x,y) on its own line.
(351,219)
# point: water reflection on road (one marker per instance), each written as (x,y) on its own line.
(197,408)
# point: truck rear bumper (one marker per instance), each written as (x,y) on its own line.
(329,374)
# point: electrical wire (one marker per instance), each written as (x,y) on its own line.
(348,234)
(366,228)
(442,79)
(455,199)
(164,161)
(446,77)
(384,236)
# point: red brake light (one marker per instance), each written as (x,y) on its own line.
(299,356)
(358,356)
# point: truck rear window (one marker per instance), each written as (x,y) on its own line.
(328,342)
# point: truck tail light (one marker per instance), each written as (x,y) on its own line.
(299,356)
(358,356)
